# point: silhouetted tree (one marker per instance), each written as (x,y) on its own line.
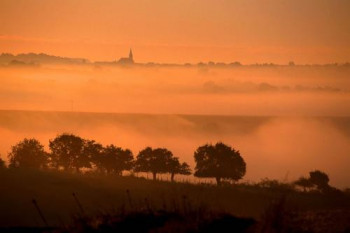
(320,179)
(175,167)
(305,183)
(153,160)
(2,164)
(28,153)
(219,161)
(67,151)
(185,169)
(116,160)
(93,151)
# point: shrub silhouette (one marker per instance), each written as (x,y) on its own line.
(273,184)
(195,220)
(220,162)
(305,183)
(319,179)
(28,153)
(67,151)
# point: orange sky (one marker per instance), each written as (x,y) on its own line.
(312,31)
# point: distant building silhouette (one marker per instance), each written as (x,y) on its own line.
(127,60)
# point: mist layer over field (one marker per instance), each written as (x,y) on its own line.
(285,121)
(239,91)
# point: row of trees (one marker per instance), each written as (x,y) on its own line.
(70,152)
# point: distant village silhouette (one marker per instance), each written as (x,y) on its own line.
(37,59)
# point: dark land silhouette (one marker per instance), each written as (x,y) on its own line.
(82,177)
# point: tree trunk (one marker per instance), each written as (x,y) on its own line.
(218,181)
(154,175)
(172,177)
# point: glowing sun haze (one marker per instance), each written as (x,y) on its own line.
(313,31)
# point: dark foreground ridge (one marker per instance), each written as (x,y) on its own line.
(70,202)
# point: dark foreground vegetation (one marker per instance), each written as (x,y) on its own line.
(71,202)
(78,186)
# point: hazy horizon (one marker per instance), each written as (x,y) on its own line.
(180,31)
(85,61)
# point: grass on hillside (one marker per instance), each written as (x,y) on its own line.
(112,195)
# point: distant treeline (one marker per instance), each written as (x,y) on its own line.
(69,152)
(34,59)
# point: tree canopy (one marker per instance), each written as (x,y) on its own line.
(220,162)
(28,153)
(160,160)
(153,160)
(93,152)
(68,152)
(115,159)
(320,179)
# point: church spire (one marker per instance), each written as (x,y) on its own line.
(131,56)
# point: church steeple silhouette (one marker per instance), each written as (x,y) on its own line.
(127,60)
(131,56)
